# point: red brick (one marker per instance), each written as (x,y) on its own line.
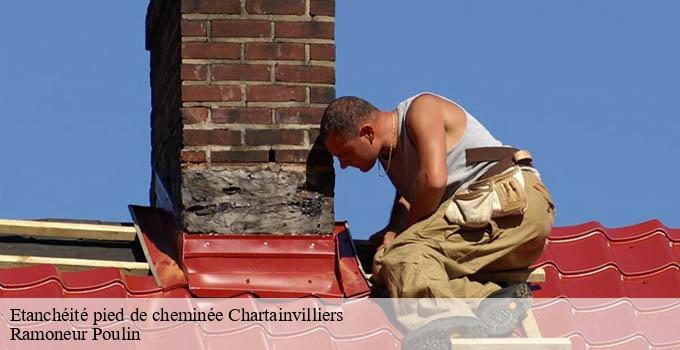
(212,137)
(194,28)
(276,93)
(324,52)
(235,28)
(239,156)
(292,156)
(199,93)
(242,115)
(272,51)
(322,30)
(275,7)
(321,94)
(322,7)
(193,115)
(211,50)
(305,74)
(193,157)
(194,72)
(299,115)
(211,6)
(274,137)
(241,72)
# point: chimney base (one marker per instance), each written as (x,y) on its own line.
(264,198)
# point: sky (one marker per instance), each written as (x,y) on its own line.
(591,88)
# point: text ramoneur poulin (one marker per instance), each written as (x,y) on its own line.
(100,330)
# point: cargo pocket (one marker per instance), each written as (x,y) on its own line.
(460,244)
(511,196)
(498,196)
(472,208)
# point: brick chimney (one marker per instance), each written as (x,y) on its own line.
(238,90)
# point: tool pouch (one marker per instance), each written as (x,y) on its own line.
(497,196)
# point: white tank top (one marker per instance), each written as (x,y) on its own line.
(404,164)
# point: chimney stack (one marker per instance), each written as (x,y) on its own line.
(238,90)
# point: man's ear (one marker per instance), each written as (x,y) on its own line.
(368,132)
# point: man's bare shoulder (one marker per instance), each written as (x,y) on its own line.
(424,114)
(429,111)
(426,101)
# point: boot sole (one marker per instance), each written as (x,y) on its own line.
(502,311)
(437,334)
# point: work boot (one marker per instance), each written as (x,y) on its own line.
(502,311)
(437,334)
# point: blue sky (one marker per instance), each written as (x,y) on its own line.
(591,88)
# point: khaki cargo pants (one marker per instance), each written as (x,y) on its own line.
(433,258)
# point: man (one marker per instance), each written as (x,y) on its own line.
(464,203)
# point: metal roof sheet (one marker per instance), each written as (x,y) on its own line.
(611,323)
(209,266)
(592,261)
(582,261)
(273,266)
(46,281)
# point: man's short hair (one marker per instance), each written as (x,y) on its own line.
(343,116)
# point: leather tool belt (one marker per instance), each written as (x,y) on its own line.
(505,156)
(499,192)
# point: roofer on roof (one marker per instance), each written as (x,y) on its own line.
(464,203)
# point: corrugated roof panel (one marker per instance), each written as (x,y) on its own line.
(583,261)
(594,253)
(656,248)
(617,233)
(248,338)
(183,336)
(603,283)
(614,323)
(590,261)
(45,281)
(664,283)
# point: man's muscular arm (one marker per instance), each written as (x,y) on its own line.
(425,126)
(396,224)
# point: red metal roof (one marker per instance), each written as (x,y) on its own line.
(611,323)
(209,266)
(46,281)
(586,260)
(591,261)
(273,266)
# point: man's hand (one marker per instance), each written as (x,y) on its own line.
(387,238)
(382,237)
(377,238)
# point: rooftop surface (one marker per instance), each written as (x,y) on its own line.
(582,261)
(592,261)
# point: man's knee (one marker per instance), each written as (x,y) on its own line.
(385,260)
(410,271)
